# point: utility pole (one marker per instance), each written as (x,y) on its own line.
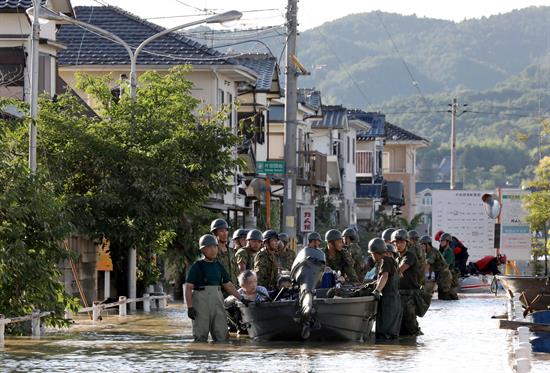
(453,143)
(291,107)
(35,54)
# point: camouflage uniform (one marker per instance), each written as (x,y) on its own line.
(360,265)
(265,266)
(286,258)
(443,274)
(244,254)
(342,262)
(420,266)
(227,259)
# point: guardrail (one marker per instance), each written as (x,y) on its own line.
(159,301)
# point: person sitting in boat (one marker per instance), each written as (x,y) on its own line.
(284,286)
(446,289)
(388,317)
(245,255)
(249,289)
(488,265)
(203,293)
(337,257)
(265,262)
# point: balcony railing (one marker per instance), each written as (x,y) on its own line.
(312,168)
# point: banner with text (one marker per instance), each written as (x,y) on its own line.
(307,218)
(515,232)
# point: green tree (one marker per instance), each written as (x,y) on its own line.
(537,203)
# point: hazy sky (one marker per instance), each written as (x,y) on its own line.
(312,13)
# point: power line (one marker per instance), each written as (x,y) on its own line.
(205,14)
(193,7)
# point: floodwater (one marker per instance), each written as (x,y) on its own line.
(458,337)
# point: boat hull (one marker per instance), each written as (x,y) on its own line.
(533,292)
(338,319)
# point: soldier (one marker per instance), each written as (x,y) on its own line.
(338,258)
(388,317)
(220,229)
(415,247)
(239,239)
(448,254)
(314,240)
(408,284)
(386,235)
(203,293)
(245,256)
(285,254)
(438,265)
(265,263)
(351,239)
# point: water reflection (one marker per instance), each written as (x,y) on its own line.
(457,336)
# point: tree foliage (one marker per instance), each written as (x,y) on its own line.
(537,203)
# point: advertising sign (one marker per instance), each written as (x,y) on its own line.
(307,218)
(515,233)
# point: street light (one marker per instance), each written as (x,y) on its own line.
(51,15)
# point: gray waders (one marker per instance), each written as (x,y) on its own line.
(211,317)
(409,324)
(388,315)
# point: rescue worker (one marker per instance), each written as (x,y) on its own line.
(408,284)
(351,239)
(337,257)
(460,252)
(265,263)
(448,254)
(314,240)
(203,294)
(388,317)
(440,268)
(220,229)
(488,265)
(239,239)
(386,234)
(415,247)
(245,256)
(285,254)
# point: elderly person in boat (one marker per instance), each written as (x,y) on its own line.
(249,289)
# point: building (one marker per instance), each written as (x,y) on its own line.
(423,204)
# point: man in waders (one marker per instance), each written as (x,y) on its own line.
(285,255)
(415,247)
(351,239)
(337,257)
(439,266)
(203,294)
(448,254)
(245,256)
(239,239)
(408,284)
(226,256)
(265,263)
(388,317)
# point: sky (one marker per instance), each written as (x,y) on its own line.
(311,13)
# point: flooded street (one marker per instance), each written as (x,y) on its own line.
(458,336)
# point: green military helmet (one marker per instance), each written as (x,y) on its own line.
(386,235)
(399,234)
(377,246)
(207,240)
(390,248)
(351,233)
(218,224)
(446,237)
(240,233)
(284,237)
(333,235)
(426,239)
(314,236)
(255,235)
(414,235)
(269,234)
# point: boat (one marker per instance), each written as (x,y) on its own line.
(312,315)
(533,292)
(475,284)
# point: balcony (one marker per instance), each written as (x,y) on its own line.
(364,164)
(368,191)
(312,169)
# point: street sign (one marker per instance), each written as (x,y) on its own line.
(271,167)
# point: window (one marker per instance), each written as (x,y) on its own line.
(45,74)
(221,98)
(230,103)
(347,149)
(353,150)
(12,72)
(386,162)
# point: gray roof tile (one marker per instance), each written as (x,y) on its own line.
(375,120)
(334,117)
(310,97)
(265,65)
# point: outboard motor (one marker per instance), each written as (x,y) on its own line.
(307,271)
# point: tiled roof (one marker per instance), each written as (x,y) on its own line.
(310,97)
(86,48)
(16,4)
(334,116)
(375,120)
(265,65)
(395,133)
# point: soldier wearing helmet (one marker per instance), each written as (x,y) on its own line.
(265,262)
(440,268)
(388,317)
(408,283)
(220,229)
(337,257)
(448,254)
(386,235)
(245,256)
(203,294)
(285,255)
(351,243)
(239,239)
(415,247)
(314,240)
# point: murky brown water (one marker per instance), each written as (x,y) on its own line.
(458,337)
